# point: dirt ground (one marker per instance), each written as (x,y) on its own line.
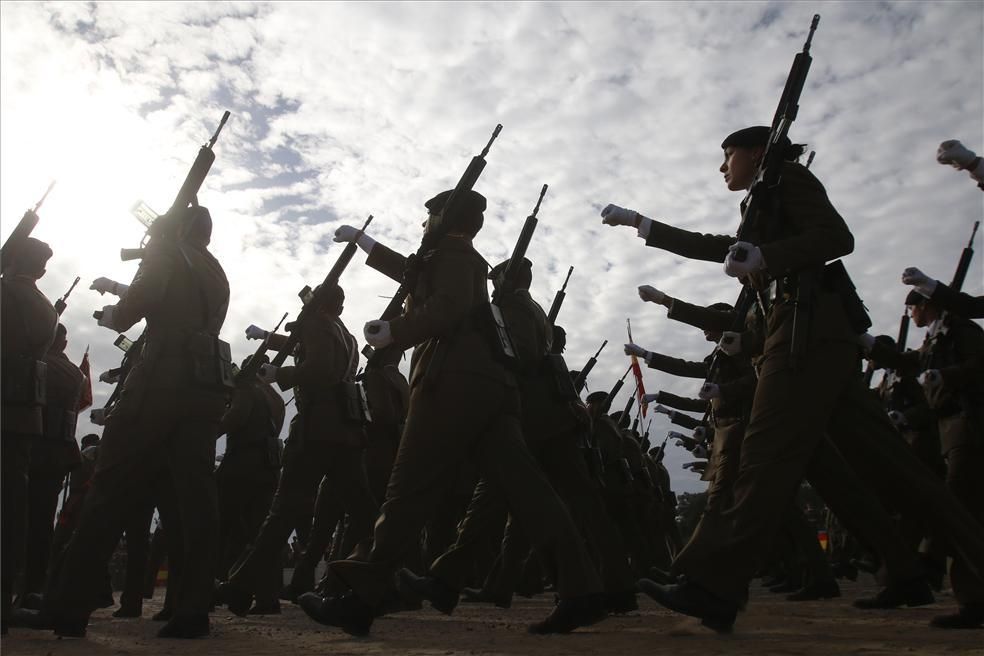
(770,626)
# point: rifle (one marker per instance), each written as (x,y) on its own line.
(607,405)
(187,194)
(437,231)
(958,280)
(762,195)
(312,301)
(24,227)
(249,371)
(506,282)
(559,299)
(582,376)
(61,303)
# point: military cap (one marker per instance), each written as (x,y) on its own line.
(723,307)
(915,298)
(472,203)
(597,397)
(33,254)
(525,270)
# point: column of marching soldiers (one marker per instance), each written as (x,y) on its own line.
(485,474)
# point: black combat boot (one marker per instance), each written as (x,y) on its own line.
(345,611)
(690,599)
(914,592)
(570,614)
(441,597)
(185,627)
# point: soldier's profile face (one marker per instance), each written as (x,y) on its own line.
(739,167)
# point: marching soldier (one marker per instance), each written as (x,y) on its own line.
(326,443)
(463,405)
(29,322)
(162,430)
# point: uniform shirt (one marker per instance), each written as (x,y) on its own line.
(809,233)
(255,414)
(27,329)
(180,289)
(440,319)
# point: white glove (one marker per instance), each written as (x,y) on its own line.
(661,409)
(709,391)
(700,451)
(98,416)
(649,398)
(377,333)
(103,285)
(650,294)
(897,418)
(867,341)
(679,437)
(931,379)
(347,233)
(106,319)
(700,433)
(268,373)
(692,466)
(636,350)
(754,260)
(730,343)
(109,377)
(955,154)
(255,332)
(614,215)
(922,283)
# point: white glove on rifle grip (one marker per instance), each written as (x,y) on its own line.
(754,260)
(106,318)
(268,373)
(730,343)
(377,333)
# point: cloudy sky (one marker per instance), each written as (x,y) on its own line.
(344,109)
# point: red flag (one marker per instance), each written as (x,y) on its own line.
(637,372)
(86,399)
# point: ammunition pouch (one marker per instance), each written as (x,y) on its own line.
(556,369)
(352,402)
(211,362)
(836,280)
(59,424)
(24,381)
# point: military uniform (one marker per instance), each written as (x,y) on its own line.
(956,350)
(463,405)
(28,329)
(795,405)
(52,458)
(247,476)
(160,433)
(325,444)
(554,432)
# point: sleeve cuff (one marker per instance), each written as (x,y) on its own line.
(644,226)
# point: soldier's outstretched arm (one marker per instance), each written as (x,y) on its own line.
(693,245)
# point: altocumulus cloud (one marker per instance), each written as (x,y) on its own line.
(341,110)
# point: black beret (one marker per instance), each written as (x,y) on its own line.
(914,298)
(472,203)
(886,340)
(758,135)
(597,397)
(723,307)
(498,269)
(34,252)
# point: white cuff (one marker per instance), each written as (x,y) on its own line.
(644,226)
(926,288)
(366,243)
